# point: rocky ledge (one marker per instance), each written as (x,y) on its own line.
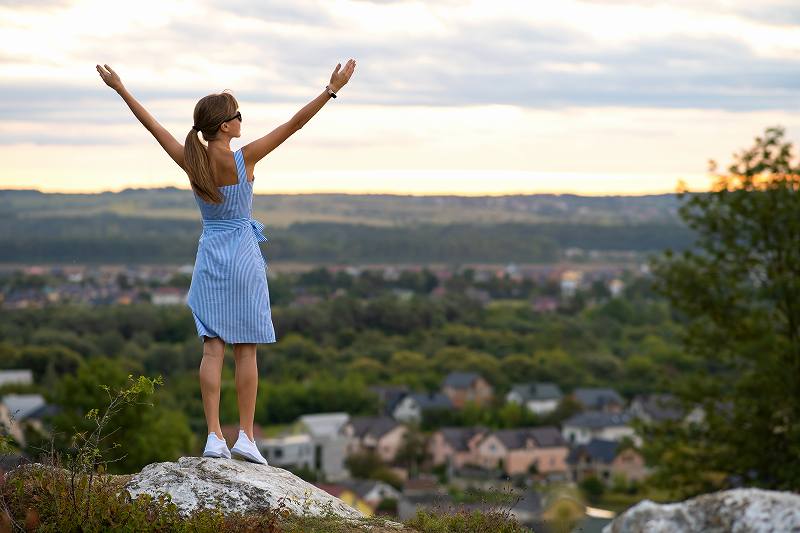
(236,486)
(735,510)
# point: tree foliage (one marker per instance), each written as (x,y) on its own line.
(738,292)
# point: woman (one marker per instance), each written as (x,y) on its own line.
(229,295)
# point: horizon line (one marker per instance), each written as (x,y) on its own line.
(370,192)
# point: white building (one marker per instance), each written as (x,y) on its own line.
(288,450)
(329,443)
(540,398)
(583,427)
(21,377)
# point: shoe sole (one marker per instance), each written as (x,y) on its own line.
(216,455)
(236,454)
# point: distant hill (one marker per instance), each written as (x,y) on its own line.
(162,225)
(281,210)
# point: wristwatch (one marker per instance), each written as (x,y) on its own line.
(330,92)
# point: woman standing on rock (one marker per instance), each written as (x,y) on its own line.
(229,294)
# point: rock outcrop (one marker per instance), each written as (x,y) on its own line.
(232,485)
(735,510)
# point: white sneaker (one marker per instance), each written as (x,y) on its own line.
(247,449)
(216,447)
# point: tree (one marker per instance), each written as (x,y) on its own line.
(738,292)
(144,435)
(413,450)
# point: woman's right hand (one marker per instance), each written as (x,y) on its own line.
(340,78)
(110,77)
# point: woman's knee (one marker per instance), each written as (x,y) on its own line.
(213,347)
(242,350)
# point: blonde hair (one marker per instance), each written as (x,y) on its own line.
(209,113)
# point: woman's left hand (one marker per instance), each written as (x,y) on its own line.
(110,77)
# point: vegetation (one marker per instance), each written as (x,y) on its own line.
(74,492)
(738,294)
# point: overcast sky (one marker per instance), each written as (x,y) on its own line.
(592,97)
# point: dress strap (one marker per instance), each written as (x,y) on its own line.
(241,171)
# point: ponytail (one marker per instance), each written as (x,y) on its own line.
(198,167)
(209,113)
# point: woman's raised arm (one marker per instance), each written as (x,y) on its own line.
(164,138)
(256,150)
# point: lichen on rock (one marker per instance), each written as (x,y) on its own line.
(234,486)
(737,510)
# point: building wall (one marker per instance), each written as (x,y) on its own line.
(489,452)
(407,410)
(551,459)
(481,393)
(334,452)
(542,406)
(390,443)
(630,464)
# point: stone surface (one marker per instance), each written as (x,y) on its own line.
(729,511)
(234,485)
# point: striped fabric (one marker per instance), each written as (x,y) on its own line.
(229,293)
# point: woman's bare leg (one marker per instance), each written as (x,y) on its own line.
(210,378)
(246,384)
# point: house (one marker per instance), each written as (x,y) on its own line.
(21,376)
(19,409)
(539,398)
(389,395)
(599,399)
(461,387)
(348,496)
(380,434)
(570,282)
(604,459)
(371,491)
(412,405)
(22,406)
(583,427)
(654,408)
(329,443)
(455,446)
(168,296)
(288,451)
(516,450)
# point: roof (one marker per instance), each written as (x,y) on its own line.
(20,406)
(334,489)
(375,426)
(543,437)
(537,391)
(597,397)
(431,400)
(460,380)
(389,395)
(457,437)
(324,424)
(24,376)
(662,406)
(598,419)
(547,437)
(361,487)
(602,450)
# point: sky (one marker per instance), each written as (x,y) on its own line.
(448,97)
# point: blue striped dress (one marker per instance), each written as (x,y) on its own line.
(229,294)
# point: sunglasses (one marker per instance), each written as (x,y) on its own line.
(237,115)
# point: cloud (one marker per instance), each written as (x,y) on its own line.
(446,56)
